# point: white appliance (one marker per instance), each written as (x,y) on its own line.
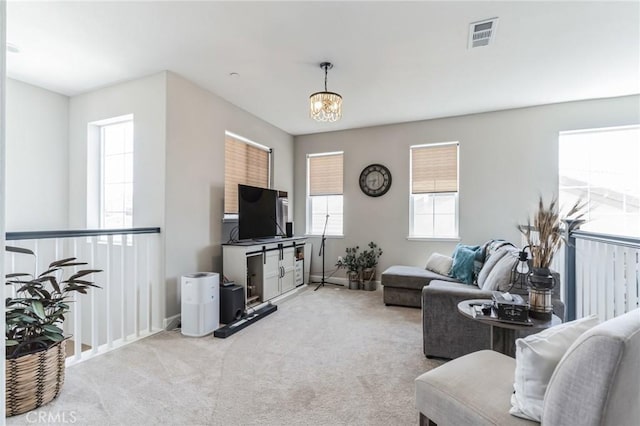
(200,303)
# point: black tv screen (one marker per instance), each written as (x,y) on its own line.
(256,212)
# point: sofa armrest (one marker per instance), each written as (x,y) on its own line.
(446,332)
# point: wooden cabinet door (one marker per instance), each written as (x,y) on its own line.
(272,272)
(288,276)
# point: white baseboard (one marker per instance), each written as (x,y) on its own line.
(335,280)
(171,322)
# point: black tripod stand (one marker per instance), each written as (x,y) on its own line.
(323,281)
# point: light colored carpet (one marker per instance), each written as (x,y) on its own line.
(327,357)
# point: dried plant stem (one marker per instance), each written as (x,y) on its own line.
(547,222)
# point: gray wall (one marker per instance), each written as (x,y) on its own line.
(37,176)
(196,123)
(507,159)
(145,98)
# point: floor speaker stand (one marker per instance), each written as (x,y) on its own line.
(323,281)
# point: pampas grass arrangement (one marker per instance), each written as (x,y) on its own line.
(548,225)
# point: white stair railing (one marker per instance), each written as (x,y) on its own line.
(126,308)
(607,274)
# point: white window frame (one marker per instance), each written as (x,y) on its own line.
(94,188)
(309,212)
(102,172)
(411,234)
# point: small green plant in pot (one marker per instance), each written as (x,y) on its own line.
(351,264)
(368,261)
(34,339)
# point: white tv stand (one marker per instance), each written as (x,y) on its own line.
(266,269)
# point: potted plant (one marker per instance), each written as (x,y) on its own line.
(368,261)
(351,264)
(544,237)
(34,342)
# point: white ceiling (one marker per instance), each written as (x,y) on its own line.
(394,61)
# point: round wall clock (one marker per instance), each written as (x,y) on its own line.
(375,180)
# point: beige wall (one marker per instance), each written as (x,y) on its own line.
(145,98)
(178,165)
(37,176)
(196,124)
(507,159)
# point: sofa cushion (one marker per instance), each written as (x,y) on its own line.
(463,262)
(439,263)
(411,277)
(500,275)
(488,266)
(537,356)
(471,390)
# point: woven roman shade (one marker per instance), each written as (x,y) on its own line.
(434,169)
(325,174)
(243,164)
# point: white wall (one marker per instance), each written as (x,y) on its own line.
(196,124)
(145,98)
(507,159)
(37,194)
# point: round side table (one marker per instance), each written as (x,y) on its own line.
(503,332)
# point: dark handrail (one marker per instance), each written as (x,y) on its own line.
(37,235)
(633,242)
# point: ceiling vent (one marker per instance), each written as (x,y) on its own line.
(482,33)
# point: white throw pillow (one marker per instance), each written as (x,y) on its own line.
(537,356)
(439,263)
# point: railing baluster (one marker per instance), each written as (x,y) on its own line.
(136,287)
(617,264)
(593,309)
(77,314)
(35,250)
(13,269)
(580,253)
(108,291)
(94,306)
(604,280)
(123,299)
(633,278)
(624,292)
(149,285)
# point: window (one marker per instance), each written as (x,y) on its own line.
(116,174)
(600,166)
(324,189)
(247,163)
(434,191)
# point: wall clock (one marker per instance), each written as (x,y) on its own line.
(375,180)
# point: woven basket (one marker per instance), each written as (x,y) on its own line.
(35,379)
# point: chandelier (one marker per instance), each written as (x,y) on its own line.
(325,106)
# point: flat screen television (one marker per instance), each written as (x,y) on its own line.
(262,212)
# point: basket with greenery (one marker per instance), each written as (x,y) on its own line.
(34,339)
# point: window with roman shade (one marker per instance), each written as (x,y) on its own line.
(434,191)
(324,193)
(246,163)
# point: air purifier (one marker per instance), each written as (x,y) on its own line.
(200,294)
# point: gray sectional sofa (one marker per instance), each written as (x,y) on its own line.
(446,333)
(595,383)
